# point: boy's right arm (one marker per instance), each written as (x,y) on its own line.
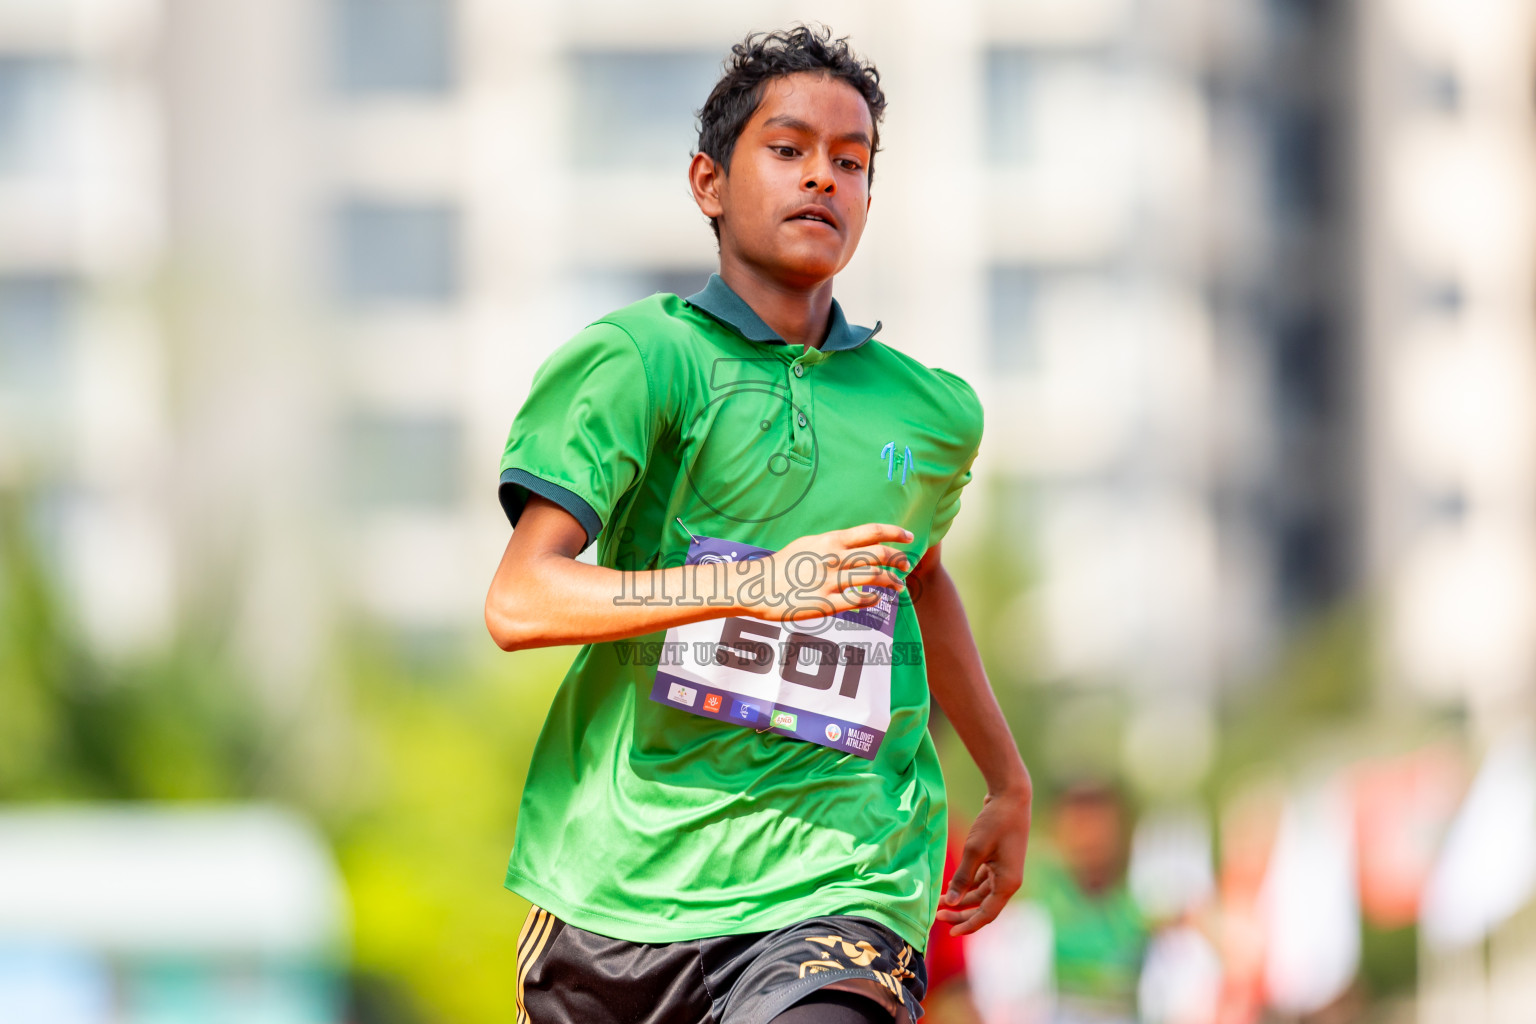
(542,596)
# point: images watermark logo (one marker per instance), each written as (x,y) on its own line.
(763,431)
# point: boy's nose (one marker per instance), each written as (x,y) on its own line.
(820,181)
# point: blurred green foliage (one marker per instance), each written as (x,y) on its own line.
(442,762)
(164,726)
(414,773)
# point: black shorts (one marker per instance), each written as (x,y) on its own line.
(569,976)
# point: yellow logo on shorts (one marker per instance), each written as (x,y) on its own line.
(861,952)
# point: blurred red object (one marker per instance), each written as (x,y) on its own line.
(1403,806)
(1248,828)
(945,958)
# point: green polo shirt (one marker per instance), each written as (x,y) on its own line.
(641,821)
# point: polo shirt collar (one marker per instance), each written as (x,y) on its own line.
(721,302)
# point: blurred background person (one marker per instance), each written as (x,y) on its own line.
(1070,946)
(1078,878)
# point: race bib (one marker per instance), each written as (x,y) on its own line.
(826,680)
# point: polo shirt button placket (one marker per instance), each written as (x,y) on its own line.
(799,387)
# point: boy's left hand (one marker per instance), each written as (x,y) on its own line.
(991,867)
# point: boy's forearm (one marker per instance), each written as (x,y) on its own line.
(959,684)
(542,596)
(558,600)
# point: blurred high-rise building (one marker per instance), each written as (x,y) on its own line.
(86,389)
(1446,250)
(1244,288)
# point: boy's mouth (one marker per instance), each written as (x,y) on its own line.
(816,215)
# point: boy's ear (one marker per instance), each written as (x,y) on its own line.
(707,178)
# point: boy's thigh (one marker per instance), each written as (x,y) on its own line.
(755,978)
(567,975)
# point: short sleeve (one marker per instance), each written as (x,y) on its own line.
(949,504)
(583,436)
(967,416)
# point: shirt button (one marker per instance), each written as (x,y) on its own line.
(803,420)
(799,371)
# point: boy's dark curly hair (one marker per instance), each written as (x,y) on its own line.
(764,56)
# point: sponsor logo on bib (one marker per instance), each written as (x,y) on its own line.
(681,694)
(712,702)
(860,739)
(834,732)
(742,711)
(784,720)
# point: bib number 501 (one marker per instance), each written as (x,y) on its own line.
(738,649)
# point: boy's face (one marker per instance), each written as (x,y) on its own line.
(797,195)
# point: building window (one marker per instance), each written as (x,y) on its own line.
(1300,152)
(403,462)
(637,109)
(35,108)
(398,253)
(1012,293)
(1304,366)
(1008,87)
(1299,17)
(1038,312)
(383,47)
(596,293)
(37,320)
(1307,554)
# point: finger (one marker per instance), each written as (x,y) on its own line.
(876,554)
(847,597)
(851,600)
(970,901)
(1008,883)
(872,533)
(961,880)
(871,578)
(982,915)
(812,607)
(982,886)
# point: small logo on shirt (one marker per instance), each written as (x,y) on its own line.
(712,702)
(834,732)
(891,458)
(681,694)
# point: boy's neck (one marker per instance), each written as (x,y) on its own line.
(798,315)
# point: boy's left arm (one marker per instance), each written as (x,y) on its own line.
(991,867)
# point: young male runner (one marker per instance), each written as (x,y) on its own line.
(735,812)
